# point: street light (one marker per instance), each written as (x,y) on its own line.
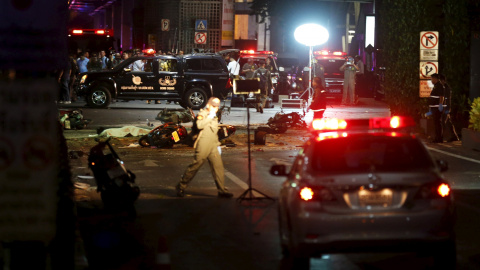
(311,35)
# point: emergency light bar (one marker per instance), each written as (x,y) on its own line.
(331,124)
(108,32)
(256,52)
(148,51)
(327,53)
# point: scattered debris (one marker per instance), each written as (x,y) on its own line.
(124,132)
(75,154)
(83,186)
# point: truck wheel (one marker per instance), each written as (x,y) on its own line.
(99,97)
(195,98)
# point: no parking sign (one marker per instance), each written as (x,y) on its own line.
(200,37)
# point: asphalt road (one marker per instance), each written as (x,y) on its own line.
(201,231)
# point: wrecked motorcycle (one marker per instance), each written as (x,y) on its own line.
(114,182)
(281,121)
(164,136)
(168,134)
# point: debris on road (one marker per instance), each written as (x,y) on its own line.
(126,131)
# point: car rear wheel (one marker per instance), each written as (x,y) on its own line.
(99,97)
(195,98)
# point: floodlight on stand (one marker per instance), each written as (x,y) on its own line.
(311,35)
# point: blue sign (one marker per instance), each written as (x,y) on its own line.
(201,25)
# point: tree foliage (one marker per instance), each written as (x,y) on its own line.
(400,24)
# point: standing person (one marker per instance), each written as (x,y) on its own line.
(436,100)
(82,63)
(94,64)
(360,77)
(207,147)
(268,64)
(319,72)
(350,69)
(234,68)
(103,59)
(265,77)
(319,104)
(73,76)
(227,59)
(64,80)
(446,117)
(249,68)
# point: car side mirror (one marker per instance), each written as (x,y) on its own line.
(281,69)
(443,165)
(278,170)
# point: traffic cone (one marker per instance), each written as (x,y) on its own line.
(162,257)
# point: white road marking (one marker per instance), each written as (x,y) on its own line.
(239,182)
(236,180)
(454,155)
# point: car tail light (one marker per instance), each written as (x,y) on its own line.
(434,190)
(316,194)
(229,83)
(443,190)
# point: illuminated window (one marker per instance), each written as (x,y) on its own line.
(241,26)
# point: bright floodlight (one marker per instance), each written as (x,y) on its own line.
(311,34)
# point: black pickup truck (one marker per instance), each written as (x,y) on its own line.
(189,79)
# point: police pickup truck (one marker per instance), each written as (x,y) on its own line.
(189,79)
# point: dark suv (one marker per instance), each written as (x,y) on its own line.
(188,79)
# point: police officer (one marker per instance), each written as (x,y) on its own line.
(436,100)
(319,72)
(350,70)
(207,147)
(265,77)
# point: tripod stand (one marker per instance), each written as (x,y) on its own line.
(248,194)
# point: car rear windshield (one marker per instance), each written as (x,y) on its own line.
(370,153)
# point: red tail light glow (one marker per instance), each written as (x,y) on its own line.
(306,193)
(77,31)
(100,32)
(443,190)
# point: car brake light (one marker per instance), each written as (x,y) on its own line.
(100,32)
(316,194)
(77,31)
(443,190)
(306,194)
(434,190)
(229,83)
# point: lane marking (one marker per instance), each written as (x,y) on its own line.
(454,155)
(236,180)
